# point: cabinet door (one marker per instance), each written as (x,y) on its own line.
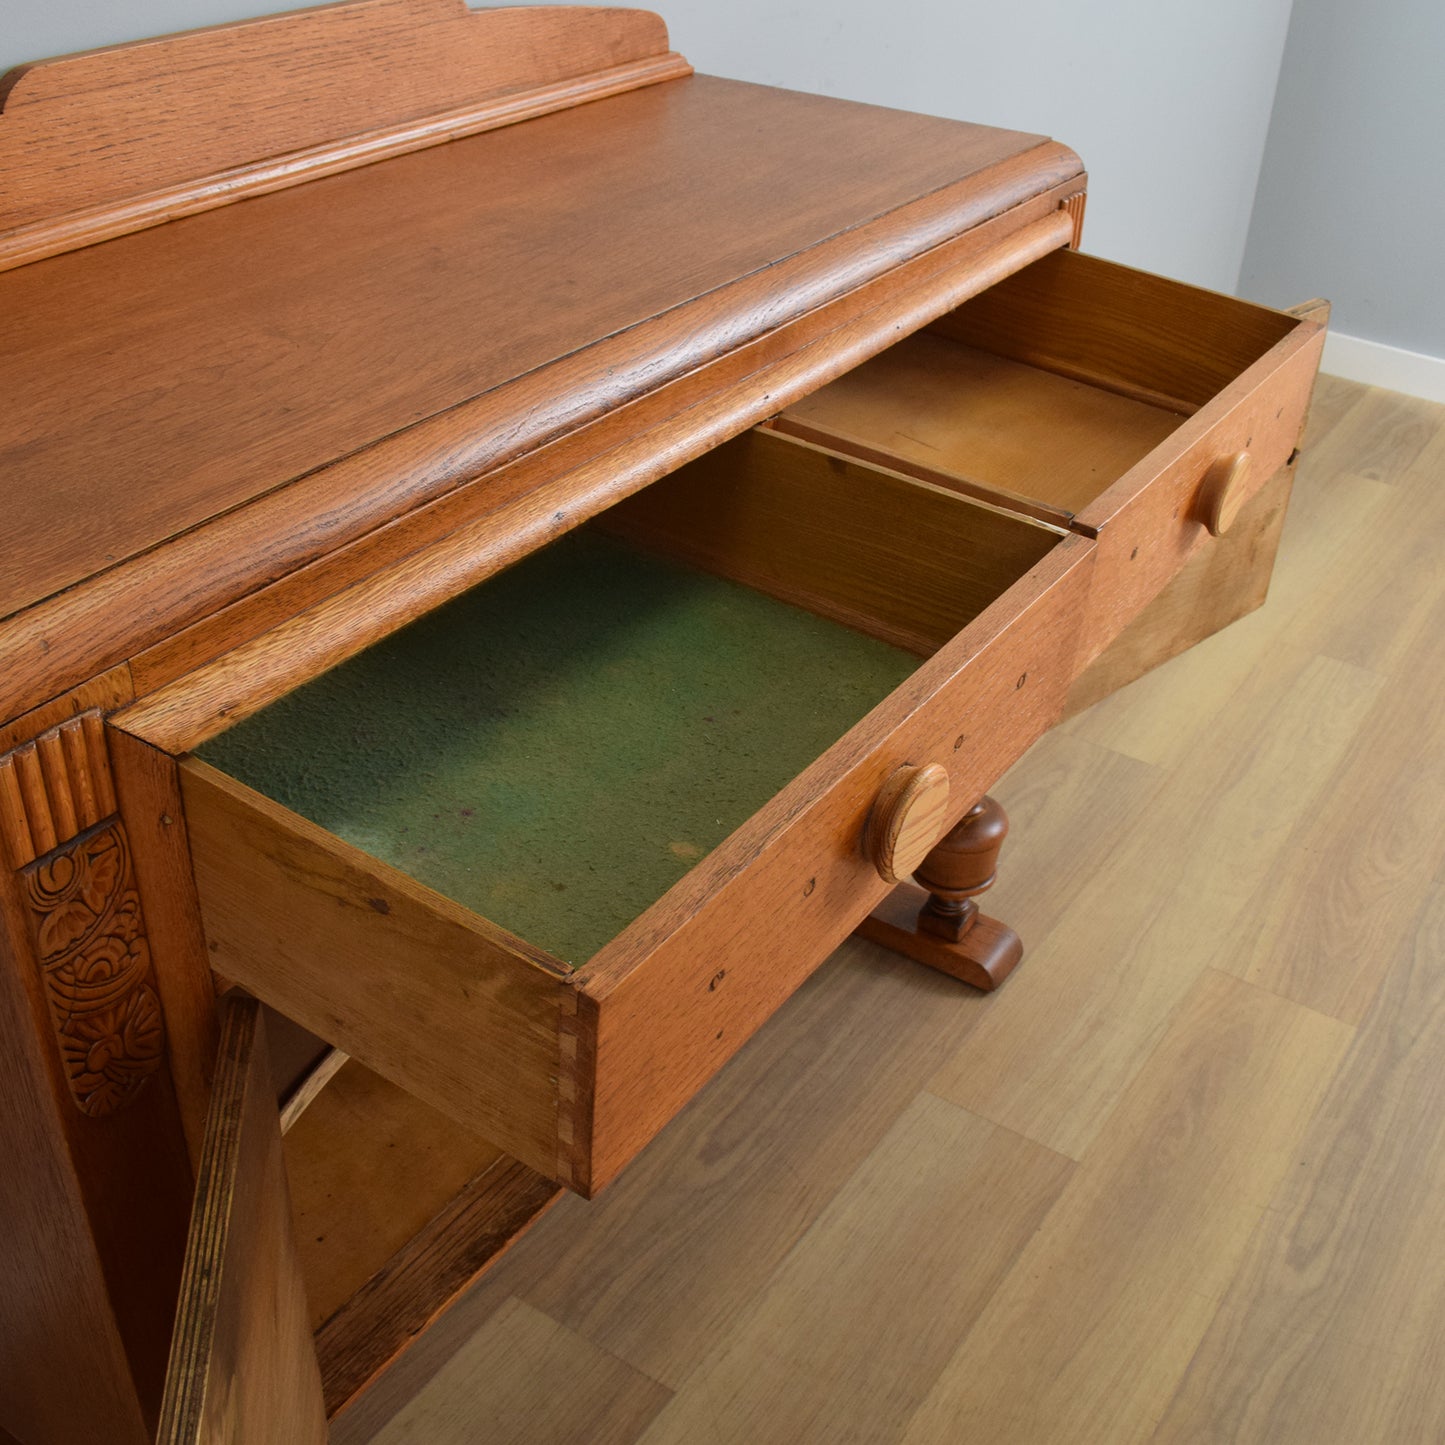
(243,1364)
(1218,585)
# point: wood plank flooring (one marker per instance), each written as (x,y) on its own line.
(1181,1180)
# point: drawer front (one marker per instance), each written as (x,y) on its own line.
(1151,523)
(676,995)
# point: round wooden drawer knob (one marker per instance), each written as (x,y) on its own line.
(1223,492)
(908,818)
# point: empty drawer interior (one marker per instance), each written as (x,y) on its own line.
(1044,390)
(556,748)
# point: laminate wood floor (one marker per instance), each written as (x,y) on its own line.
(1182,1179)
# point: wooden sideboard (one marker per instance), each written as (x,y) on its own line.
(513,551)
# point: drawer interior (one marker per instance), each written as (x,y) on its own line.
(556,748)
(1044,390)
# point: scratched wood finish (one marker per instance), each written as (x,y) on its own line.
(242,1363)
(109,141)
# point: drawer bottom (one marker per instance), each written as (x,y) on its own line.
(556,749)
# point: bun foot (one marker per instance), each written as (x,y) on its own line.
(939,924)
(986,954)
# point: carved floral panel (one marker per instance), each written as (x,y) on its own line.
(90,939)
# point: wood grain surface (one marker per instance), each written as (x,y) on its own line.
(109,141)
(115,1172)
(396,1209)
(392,1311)
(889,1246)
(1152,1226)
(149,790)
(411,565)
(1218,585)
(1331,1327)
(52,1275)
(909,564)
(906,819)
(1147,523)
(368,1165)
(615,1401)
(1150,387)
(979,416)
(1109,325)
(341,290)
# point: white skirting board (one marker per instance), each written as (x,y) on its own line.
(1376,364)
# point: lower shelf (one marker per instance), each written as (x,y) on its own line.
(396,1211)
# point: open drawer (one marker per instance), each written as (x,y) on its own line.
(1130,408)
(548,857)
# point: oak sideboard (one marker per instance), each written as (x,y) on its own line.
(514,551)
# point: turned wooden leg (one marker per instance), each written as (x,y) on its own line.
(939,924)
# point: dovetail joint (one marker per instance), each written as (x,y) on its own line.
(573,1091)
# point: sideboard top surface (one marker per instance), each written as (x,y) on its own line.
(159,379)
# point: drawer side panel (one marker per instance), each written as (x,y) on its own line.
(411,985)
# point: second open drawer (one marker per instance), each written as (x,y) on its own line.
(549,856)
(1130,408)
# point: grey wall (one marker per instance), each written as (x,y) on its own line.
(34,29)
(1351,198)
(1168,103)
